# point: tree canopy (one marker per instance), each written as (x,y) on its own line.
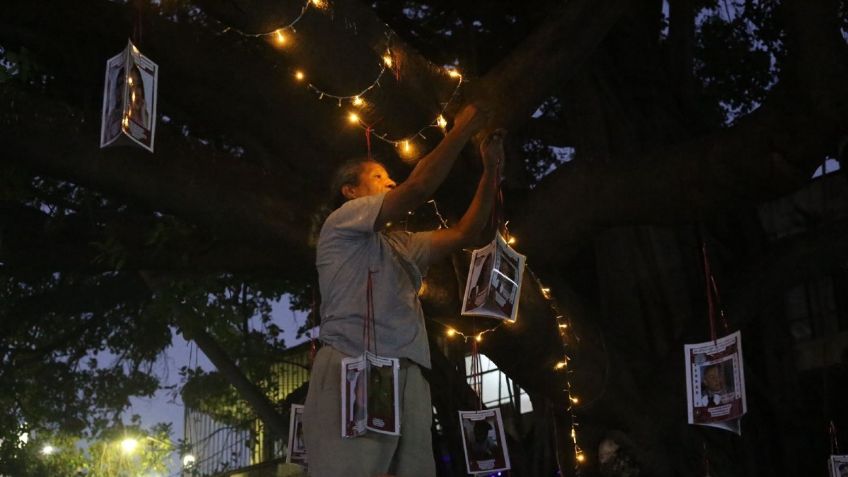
(634,128)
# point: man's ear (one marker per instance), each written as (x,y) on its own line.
(349,191)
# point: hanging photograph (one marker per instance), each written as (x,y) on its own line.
(370,398)
(715,383)
(129,100)
(838,466)
(382,390)
(297,448)
(484,441)
(354,402)
(493,286)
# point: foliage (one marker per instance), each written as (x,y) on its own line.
(55,453)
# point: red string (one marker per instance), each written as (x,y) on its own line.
(368,140)
(497,207)
(476,373)
(369,327)
(707,280)
(313,348)
(834,443)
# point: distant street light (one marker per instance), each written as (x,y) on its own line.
(188,460)
(128,445)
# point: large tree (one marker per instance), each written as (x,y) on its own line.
(636,127)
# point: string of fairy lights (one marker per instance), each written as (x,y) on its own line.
(566,334)
(357,101)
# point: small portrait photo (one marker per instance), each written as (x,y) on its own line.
(297,447)
(717,383)
(484,441)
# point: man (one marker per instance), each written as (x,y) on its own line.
(354,250)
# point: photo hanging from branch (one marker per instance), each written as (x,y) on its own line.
(370,402)
(838,466)
(129,100)
(297,447)
(494,280)
(484,441)
(715,383)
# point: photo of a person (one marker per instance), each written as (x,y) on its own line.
(296,447)
(115,108)
(717,383)
(356,403)
(483,444)
(484,441)
(480,290)
(381,397)
(138,110)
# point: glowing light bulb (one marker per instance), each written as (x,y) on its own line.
(441,122)
(128,445)
(580,457)
(278,35)
(189,460)
(387,59)
(512,240)
(546,292)
(319,3)
(454,73)
(479,337)
(563,326)
(357,101)
(560,365)
(353,118)
(298,75)
(574,399)
(406,146)
(451,332)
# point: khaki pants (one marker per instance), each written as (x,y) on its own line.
(329,455)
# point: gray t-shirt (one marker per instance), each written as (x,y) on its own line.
(348,247)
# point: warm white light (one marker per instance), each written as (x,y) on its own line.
(357,101)
(560,365)
(353,118)
(441,122)
(451,332)
(512,240)
(574,399)
(454,73)
(580,457)
(188,460)
(387,59)
(479,337)
(48,450)
(128,445)
(298,75)
(546,292)
(318,3)
(278,35)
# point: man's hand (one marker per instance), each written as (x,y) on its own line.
(491,149)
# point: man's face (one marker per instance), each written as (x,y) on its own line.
(713,380)
(373,180)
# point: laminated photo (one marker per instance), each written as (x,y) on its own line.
(130,92)
(484,441)
(353,396)
(838,466)
(383,400)
(715,383)
(493,286)
(370,398)
(297,447)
